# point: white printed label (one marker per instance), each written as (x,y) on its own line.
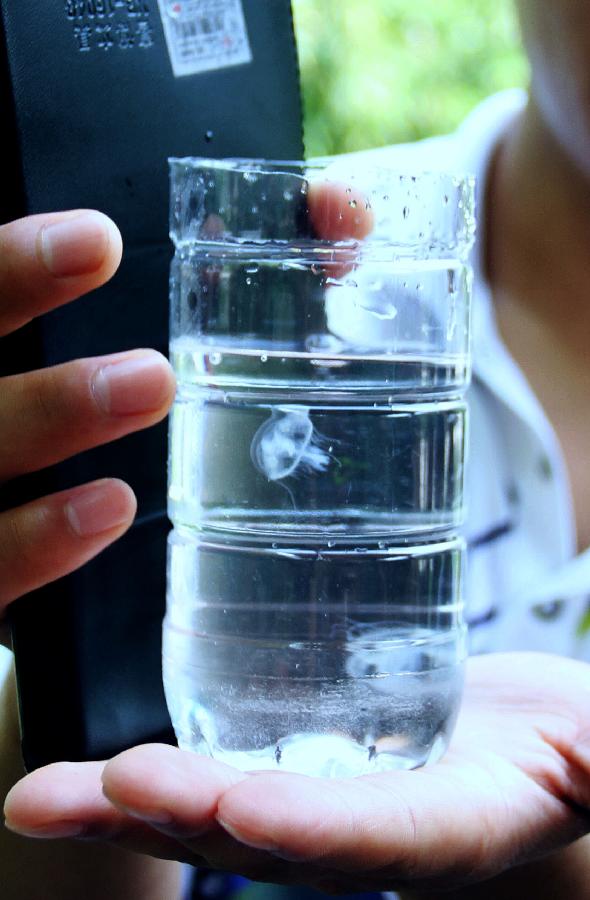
(204,34)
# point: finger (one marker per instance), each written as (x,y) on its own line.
(49,415)
(178,793)
(50,537)
(47,260)
(338,211)
(162,785)
(66,800)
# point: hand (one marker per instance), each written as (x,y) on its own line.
(514,785)
(48,415)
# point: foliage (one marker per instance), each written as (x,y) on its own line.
(377,72)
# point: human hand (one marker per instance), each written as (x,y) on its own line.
(49,415)
(514,785)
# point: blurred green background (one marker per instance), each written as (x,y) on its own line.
(378,72)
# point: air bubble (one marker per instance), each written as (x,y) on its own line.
(250,177)
(406,212)
(353,204)
(209,135)
(263,357)
(254,210)
(248,281)
(215,358)
(287,195)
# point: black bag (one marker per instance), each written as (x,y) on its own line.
(95,95)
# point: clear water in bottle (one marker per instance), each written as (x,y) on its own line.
(314,619)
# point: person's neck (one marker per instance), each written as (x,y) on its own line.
(538,233)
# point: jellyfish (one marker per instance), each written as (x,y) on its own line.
(288,443)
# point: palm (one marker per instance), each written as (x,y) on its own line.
(512,787)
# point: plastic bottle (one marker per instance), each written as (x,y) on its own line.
(317,449)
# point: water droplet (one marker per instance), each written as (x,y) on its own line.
(254,210)
(406,212)
(349,190)
(263,357)
(340,217)
(248,281)
(386,197)
(215,358)
(367,205)
(353,204)
(287,195)
(211,183)
(419,286)
(209,135)
(274,545)
(446,199)
(331,544)
(330,448)
(382,545)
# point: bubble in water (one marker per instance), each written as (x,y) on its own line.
(349,190)
(287,195)
(215,358)
(353,204)
(209,135)
(263,357)
(286,442)
(406,212)
(254,210)
(250,177)
(248,280)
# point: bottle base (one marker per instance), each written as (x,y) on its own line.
(326,755)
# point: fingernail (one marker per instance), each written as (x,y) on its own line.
(134,385)
(258,843)
(154,817)
(76,245)
(53,830)
(98,507)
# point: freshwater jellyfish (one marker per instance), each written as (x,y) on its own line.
(288,442)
